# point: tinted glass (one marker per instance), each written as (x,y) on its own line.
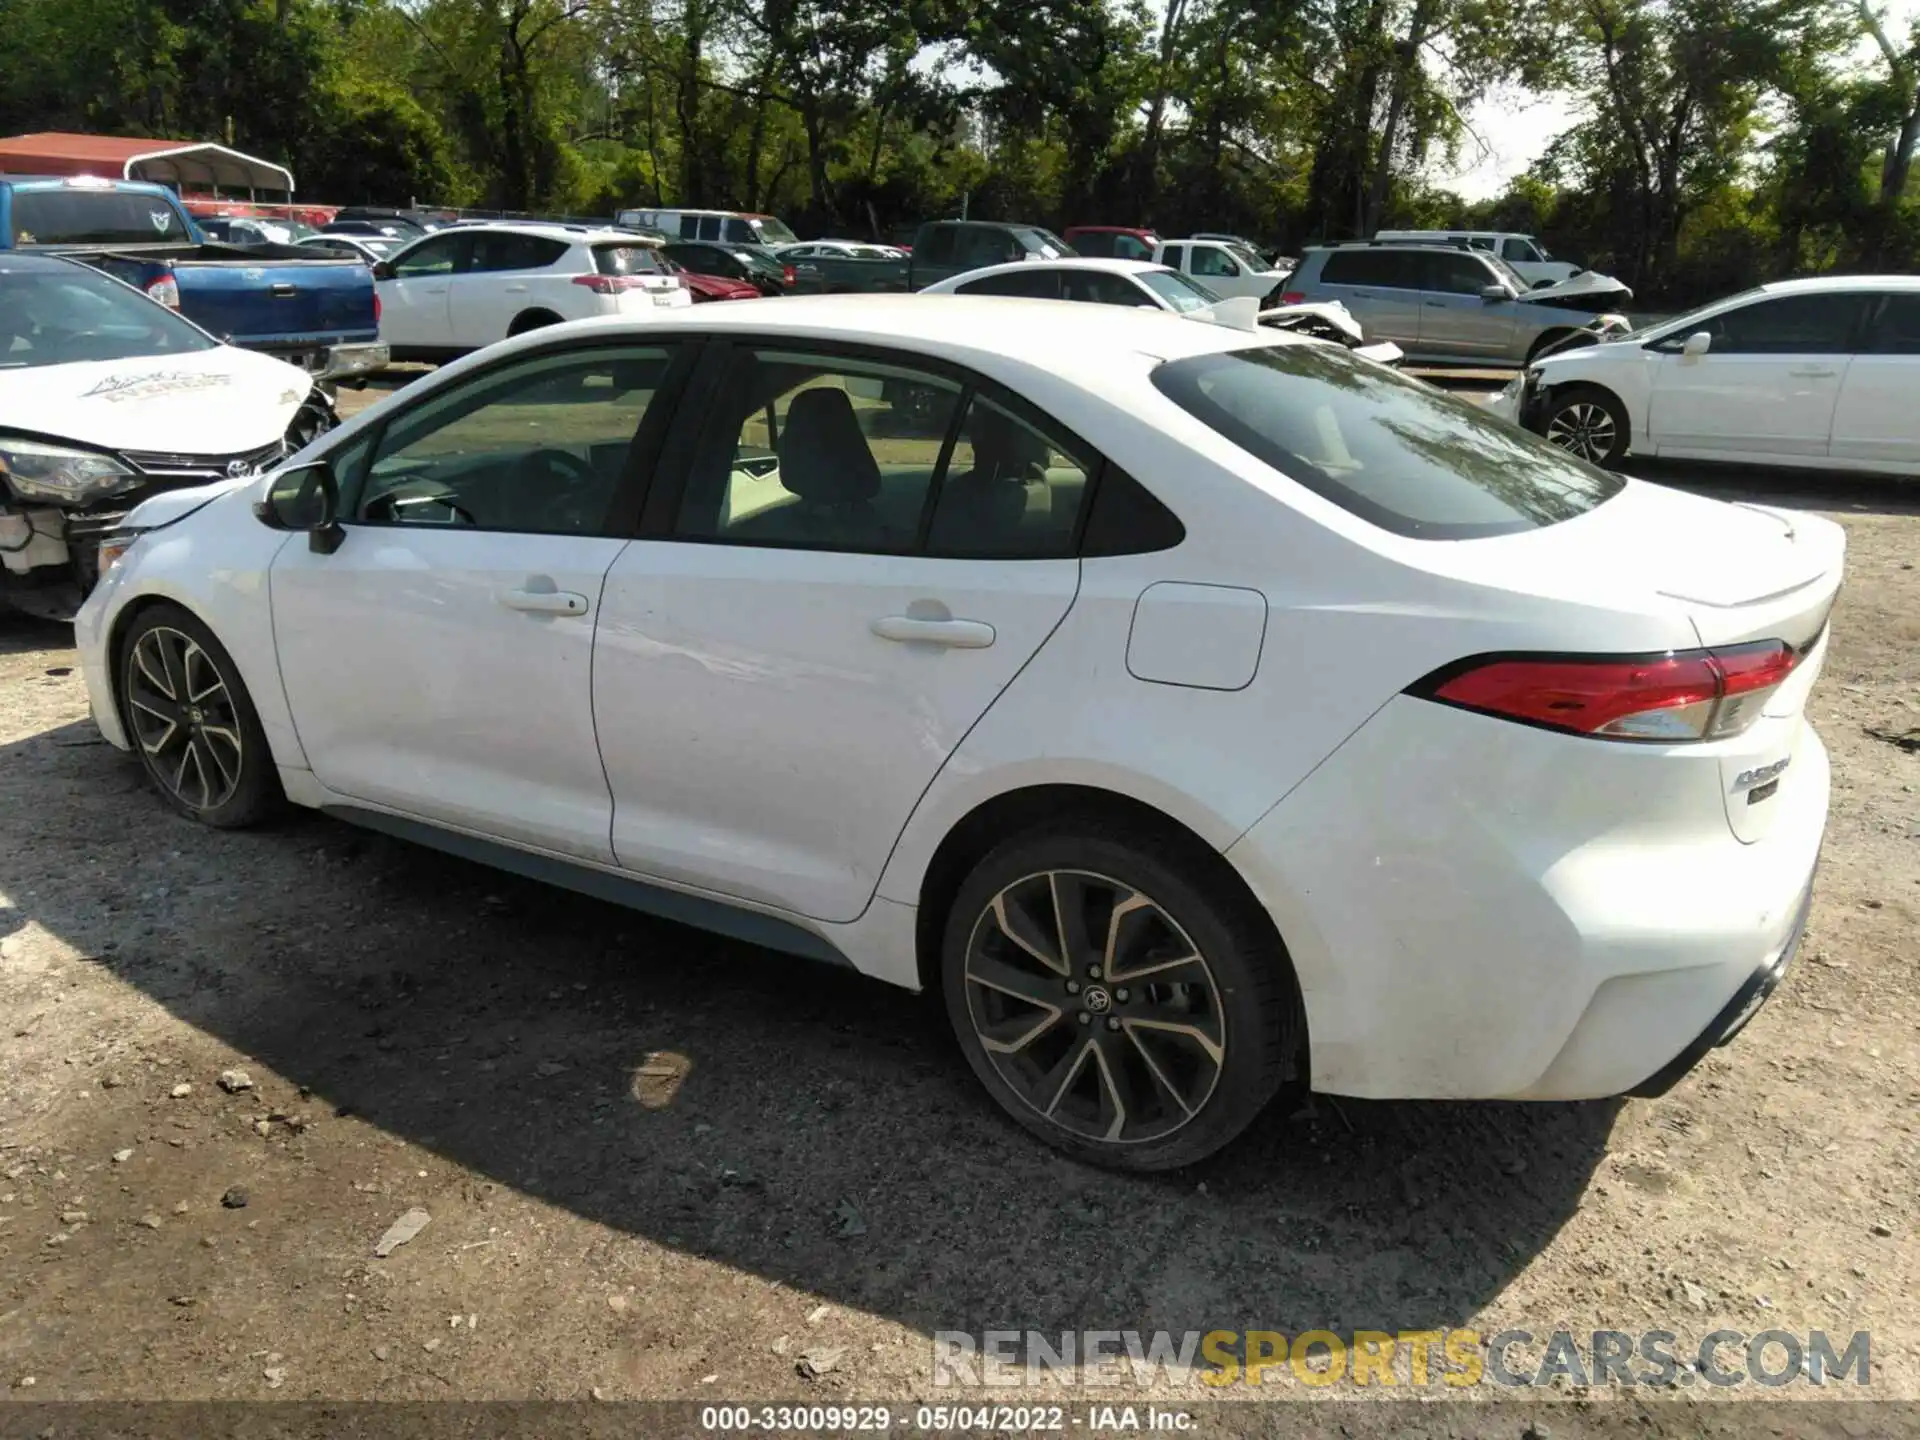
(738,231)
(772,230)
(439,256)
(1099,288)
(709,227)
(1036,284)
(495,250)
(70,313)
(1894,324)
(1393,451)
(1518,250)
(817,452)
(981,246)
(1127,247)
(1177,290)
(94,217)
(1390,269)
(1455,272)
(1098,242)
(936,245)
(1176,256)
(627,260)
(537,448)
(1790,325)
(1010,492)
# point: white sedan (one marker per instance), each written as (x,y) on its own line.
(1147,285)
(1817,374)
(1199,713)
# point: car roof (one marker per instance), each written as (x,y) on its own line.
(1112,229)
(1819,284)
(557,230)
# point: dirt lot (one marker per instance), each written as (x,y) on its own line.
(664,1165)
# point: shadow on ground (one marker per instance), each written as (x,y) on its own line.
(740,1105)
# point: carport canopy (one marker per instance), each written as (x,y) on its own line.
(184,164)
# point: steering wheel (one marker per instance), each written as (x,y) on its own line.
(556,464)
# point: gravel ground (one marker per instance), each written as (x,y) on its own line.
(659,1164)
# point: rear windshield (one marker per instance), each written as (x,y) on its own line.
(72,314)
(627,260)
(1043,242)
(94,217)
(1402,455)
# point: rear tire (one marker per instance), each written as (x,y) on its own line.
(1587,422)
(192,722)
(1040,947)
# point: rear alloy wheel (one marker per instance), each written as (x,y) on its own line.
(1590,424)
(1118,1007)
(192,723)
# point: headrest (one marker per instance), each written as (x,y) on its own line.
(823,455)
(1003,448)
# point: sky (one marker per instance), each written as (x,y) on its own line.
(1512,128)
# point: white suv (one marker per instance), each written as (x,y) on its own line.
(468,286)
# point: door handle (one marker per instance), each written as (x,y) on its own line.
(544,602)
(1436,304)
(956,634)
(516,289)
(1812,374)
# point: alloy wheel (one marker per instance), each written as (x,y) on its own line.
(1094,1006)
(183,718)
(1585,429)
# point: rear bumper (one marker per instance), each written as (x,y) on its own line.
(1477,910)
(331,362)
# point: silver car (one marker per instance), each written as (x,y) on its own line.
(1453,305)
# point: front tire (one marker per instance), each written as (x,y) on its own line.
(1120,999)
(192,722)
(1588,422)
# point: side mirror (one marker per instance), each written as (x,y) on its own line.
(304,498)
(1696,345)
(382,270)
(1493,293)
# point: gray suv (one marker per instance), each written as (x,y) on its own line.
(1451,305)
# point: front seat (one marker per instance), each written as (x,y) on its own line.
(826,465)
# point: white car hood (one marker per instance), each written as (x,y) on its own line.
(211,402)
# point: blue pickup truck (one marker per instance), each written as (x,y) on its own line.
(312,309)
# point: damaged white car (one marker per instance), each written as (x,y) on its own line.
(108,398)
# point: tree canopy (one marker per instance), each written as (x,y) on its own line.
(1718,142)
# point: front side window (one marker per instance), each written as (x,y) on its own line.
(1520,250)
(1893,324)
(1788,325)
(936,245)
(69,313)
(738,232)
(537,447)
(1455,272)
(1181,293)
(441,255)
(1408,458)
(1097,287)
(1211,260)
(982,246)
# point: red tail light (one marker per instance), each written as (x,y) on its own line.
(1294,297)
(376,307)
(1687,695)
(166,290)
(608,284)
(786,273)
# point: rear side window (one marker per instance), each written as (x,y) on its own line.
(1129,247)
(627,260)
(94,217)
(1040,284)
(1176,256)
(1403,456)
(498,250)
(709,227)
(935,245)
(1098,243)
(1097,287)
(1392,269)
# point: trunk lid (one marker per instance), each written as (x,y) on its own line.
(278,302)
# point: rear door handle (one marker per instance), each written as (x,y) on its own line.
(956,634)
(544,602)
(1813,374)
(516,289)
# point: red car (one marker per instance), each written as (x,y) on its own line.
(1113,242)
(711,287)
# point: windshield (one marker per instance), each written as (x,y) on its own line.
(1507,272)
(1177,290)
(82,216)
(1408,458)
(1044,243)
(773,231)
(56,317)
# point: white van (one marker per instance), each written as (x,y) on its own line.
(736,227)
(1524,253)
